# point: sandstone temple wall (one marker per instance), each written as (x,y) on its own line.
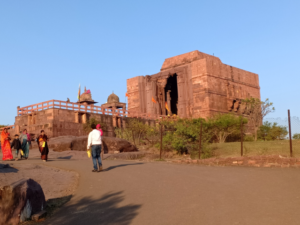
(205,86)
(62,122)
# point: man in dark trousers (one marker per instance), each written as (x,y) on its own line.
(94,142)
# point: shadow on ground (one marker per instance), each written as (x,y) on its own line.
(65,157)
(5,168)
(104,210)
(122,165)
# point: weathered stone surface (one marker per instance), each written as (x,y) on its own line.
(117,144)
(193,85)
(109,144)
(59,122)
(20,200)
(61,143)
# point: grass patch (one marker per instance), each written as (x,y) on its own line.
(233,149)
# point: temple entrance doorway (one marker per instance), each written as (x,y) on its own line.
(171,94)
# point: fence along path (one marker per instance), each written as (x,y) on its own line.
(57,104)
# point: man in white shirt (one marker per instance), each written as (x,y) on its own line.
(94,140)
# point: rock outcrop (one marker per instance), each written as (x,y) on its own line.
(109,144)
(62,143)
(20,200)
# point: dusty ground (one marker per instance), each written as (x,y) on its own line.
(128,192)
(55,182)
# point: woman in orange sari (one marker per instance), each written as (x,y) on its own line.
(5,145)
(43,146)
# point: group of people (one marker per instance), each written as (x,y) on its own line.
(21,145)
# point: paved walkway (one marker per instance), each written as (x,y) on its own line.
(161,193)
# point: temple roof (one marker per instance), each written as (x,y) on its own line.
(185,59)
(86,97)
(113,98)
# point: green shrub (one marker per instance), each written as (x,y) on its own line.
(296,136)
(269,131)
(248,138)
(223,125)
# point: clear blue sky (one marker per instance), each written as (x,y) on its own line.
(48,47)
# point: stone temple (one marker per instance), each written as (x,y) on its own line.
(190,85)
(60,118)
(193,85)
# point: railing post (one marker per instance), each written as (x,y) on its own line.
(290,134)
(161,138)
(242,153)
(200,139)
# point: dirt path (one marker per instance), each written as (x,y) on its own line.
(55,182)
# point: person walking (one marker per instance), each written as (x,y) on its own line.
(25,142)
(43,146)
(16,144)
(5,145)
(94,142)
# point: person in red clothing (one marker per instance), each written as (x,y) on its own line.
(5,145)
(98,128)
(43,146)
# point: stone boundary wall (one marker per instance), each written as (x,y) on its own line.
(63,122)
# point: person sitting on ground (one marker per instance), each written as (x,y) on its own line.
(94,142)
(16,144)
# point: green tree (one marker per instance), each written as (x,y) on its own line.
(136,129)
(269,131)
(264,130)
(223,125)
(296,136)
(183,135)
(278,132)
(257,110)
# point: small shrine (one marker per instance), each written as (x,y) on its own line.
(113,102)
(86,98)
